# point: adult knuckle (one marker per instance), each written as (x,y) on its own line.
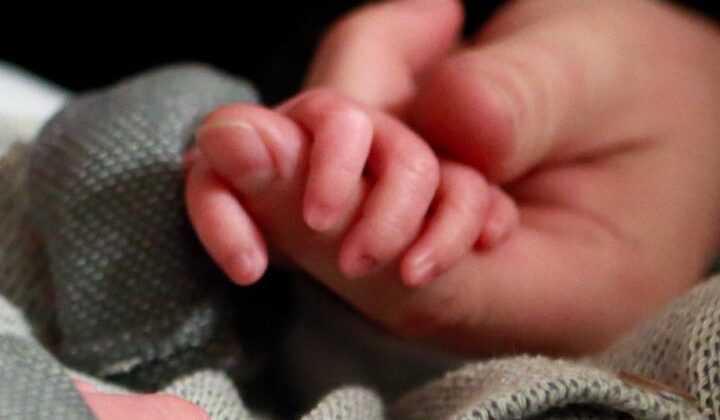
(472,86)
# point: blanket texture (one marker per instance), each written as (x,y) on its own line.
(102,278)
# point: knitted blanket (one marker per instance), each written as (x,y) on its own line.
(102,278)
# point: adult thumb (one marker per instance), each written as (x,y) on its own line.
(374,54)
(545,85)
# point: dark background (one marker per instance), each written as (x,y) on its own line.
(269,42)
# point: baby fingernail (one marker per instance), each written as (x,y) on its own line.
(319,217)
(251,266)
(239,143)
(361,266)
(423,271)
(493,232)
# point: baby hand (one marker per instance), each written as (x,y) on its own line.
(321,171)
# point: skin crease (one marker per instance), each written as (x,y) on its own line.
(605,138)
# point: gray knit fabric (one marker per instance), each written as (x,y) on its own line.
(34,385)
(102,277)
(106,195)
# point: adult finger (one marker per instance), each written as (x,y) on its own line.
(374,54)
(539,90)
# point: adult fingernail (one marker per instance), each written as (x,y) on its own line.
(241,139)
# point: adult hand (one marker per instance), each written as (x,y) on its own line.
(601,120)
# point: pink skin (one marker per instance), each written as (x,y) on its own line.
(115,406)
(565,104)
(380,217)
